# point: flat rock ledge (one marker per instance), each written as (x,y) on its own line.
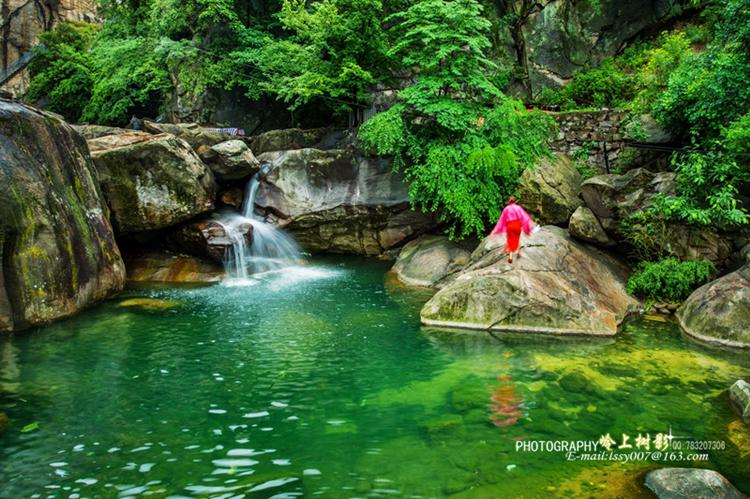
(691,483)
(560,287)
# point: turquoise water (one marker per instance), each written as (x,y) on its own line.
(320,382)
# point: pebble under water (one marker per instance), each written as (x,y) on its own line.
(319,381)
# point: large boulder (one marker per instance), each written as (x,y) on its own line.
(232,160)
(428,259)
(612,198)
(550,190)
(690,483)
(201,139)
(286,139)
(719,312)
(57,247)
(95,131)
(338,201)
(558,286)
(586,227)
(151,181)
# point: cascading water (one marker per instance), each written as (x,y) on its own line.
(271,248)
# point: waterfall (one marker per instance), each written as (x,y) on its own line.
(271,248)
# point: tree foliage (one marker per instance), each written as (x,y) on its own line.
(461,143)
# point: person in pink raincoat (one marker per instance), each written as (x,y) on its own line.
(513,221)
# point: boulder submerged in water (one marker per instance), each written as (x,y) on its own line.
(691,483)
(172,268)
(559,286)
(151,181)
(719,312)
(57,246)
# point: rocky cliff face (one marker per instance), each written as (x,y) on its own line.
(57,247)
(22,22)
(559,37)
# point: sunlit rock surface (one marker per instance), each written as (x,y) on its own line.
(151,181)
(429,259)
(172,268)
(719,312)
(558,286)
(550,190)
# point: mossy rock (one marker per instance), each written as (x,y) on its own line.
(471,393)
(149,304)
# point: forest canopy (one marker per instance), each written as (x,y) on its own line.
(460,129)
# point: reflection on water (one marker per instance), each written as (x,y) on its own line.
(321,382)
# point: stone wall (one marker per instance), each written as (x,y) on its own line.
(22,22)
(585,133)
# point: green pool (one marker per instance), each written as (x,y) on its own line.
(320,382)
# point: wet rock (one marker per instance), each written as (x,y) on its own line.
(151,181)
(429,259)
(57,246)
(149,304)
(232,160)
(559,286)
(719,312)
(232,197)
(739,394)
(550,190)
(171,268)
(586,227)
(205,238)
(338,201)
(690,483)
(200,138)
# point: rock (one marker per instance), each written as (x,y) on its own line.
(149,304)
(612,198)
(719,312)
(151,181)
(204,238)
(429,259)
(586,227)
(286,139)
(690,483)
(200,138)
(56,242)
(170,268)
(95,131)
(232,160)
(22,22)
(233,197)
(339,202)
(559,286)
(550,190)
(739,394)
(745,252)
(562,38)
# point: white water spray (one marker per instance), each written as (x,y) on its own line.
(271,248)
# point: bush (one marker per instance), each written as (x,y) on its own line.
(669,280)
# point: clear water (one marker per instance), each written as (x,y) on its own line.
(319,381)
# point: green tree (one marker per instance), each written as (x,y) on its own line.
(461,143)
(336,50)
(61,68)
